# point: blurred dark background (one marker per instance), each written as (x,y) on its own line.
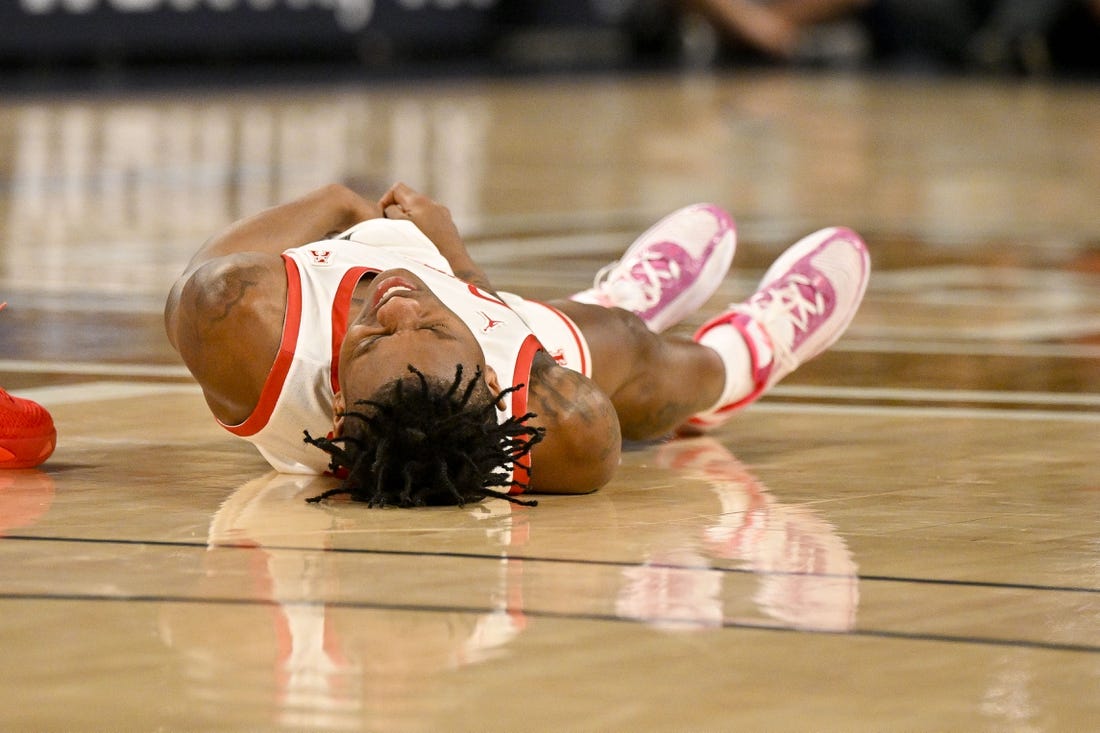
(44,40)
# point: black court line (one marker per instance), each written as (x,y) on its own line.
(560,616)
(947,582)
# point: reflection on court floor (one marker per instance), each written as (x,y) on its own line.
(900,536)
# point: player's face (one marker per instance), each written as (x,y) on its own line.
(402,323)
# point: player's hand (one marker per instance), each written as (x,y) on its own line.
(433,219)
(347,209)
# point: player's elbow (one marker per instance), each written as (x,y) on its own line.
(581,451)
(593,464)
(604,450)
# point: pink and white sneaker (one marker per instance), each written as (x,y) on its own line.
(671,269)
(803,305)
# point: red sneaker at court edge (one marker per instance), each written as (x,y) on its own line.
(27,433)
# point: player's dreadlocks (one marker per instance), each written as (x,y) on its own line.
(425,442)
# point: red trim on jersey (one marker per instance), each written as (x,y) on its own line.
(573,330)
(341,306)
(521,470)
(273,385)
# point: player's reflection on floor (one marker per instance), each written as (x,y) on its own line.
(802,570)
(328,661)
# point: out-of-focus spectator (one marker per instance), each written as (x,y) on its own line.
(1009,36)
(776,29)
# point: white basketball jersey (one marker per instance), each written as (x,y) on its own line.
(321,277)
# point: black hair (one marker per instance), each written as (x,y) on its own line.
(427,442)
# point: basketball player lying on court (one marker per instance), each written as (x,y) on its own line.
(366,327)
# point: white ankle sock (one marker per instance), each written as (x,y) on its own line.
(730,345)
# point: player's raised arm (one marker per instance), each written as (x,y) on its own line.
(317,215)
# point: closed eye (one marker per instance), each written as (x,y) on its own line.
(438,329)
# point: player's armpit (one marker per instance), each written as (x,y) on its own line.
(581,450)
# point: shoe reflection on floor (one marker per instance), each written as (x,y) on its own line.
(804,574)
(25,497)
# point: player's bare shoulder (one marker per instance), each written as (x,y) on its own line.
(225,318)
(224,293)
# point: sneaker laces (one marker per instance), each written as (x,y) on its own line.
(785,303)
(637,284)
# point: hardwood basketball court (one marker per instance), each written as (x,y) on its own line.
(902,536)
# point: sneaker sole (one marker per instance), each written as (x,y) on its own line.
(27,452)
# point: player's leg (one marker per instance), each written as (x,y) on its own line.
(655,381)
(659,382)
